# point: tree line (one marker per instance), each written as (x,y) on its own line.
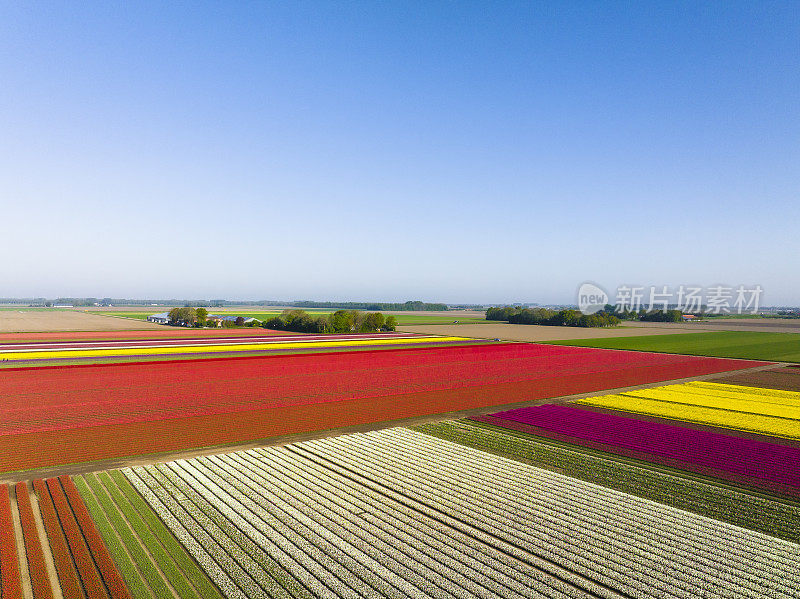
(548,317)
(608,316)
(341,321)
(299,321)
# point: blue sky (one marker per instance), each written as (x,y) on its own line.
(452,151)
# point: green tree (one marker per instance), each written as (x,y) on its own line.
(274,323)
(373,321)
(202,316)
(173,316)
(341,321)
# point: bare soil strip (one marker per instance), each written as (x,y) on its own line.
(22,555)
(143,460)
(48,555)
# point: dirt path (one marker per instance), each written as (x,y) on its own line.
(22,555)
(143,460)
(48,555)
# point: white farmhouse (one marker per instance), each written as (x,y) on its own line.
(162,318)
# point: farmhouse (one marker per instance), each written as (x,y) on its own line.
(162,318)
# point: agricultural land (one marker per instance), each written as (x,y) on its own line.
(442,460)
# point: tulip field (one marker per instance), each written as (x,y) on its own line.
(565,492)
(65,414)
(396,513)
(65,537)
(48,353)
(763,411)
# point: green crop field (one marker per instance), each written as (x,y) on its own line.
(780,347)
(136,315)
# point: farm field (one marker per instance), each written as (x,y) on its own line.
(82,351)
(91,537)
(741,435)
(787,379)
(750,409)
(69,414)
(56,550)
(746,506)
(779,347)
(710,452)
(489,329)
(48,320)
(391,513)
(397,513)
(160,332)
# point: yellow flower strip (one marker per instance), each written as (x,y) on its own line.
(774,395)
(751,405)
(714,416)
(205,349)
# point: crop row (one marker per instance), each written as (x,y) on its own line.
(178,350)
(81,558)
(706,452)
(372,514)
(635,546)
(83,567)
(10,582)
(287,527)
(149,557)
(775,414)
(695,493)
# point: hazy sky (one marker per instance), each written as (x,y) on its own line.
(453,151)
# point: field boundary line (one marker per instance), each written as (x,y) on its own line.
(22,553)
(45,543)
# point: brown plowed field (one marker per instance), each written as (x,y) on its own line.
(786,378)
(66,320)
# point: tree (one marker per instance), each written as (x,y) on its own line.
(341,321)
(174,316)
(373,321)
(202,316)
(390,324)
(185,317)
(275,324)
